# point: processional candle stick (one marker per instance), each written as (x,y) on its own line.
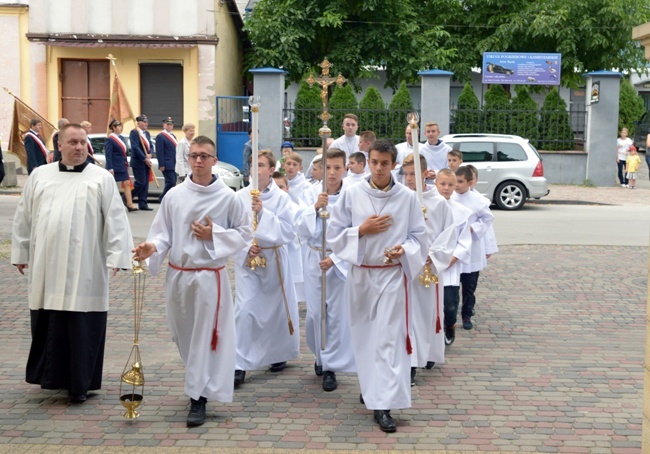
(427,277)
(254,102)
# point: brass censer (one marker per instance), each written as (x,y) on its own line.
(132,379)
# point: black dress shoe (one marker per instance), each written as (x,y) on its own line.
(240,375)
(77,398)
(278,367)
(329,381)
(429,365)
(413,372)
(386,423)
(146,209)
(131,209)
(196,416)
(318,369)
(361,401)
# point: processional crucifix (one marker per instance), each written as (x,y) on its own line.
(324,81)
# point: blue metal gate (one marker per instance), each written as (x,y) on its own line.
(232,128)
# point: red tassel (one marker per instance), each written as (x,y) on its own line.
(214,339)
(409,348)
(438,324)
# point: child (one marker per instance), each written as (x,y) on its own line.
(454,160)
(297,181)
(265,298)
(427,309)
(356,168)
(337,354)
(377,226)
(316,169)
(281,181)
(632,166)
(490,239)
(287,149)
(445,184)
(480,222)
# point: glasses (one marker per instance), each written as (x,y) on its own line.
(203,156)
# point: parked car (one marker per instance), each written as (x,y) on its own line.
(510,169)
(230,174)
(641,131)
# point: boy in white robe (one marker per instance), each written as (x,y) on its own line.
(480,223)
(378,228)
(266,306)
(428,302)
(298,184)
(201,223)
(446,184)
(70,228)
(337,354)
(357,163)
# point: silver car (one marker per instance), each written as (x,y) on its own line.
(510,169)
(230,174)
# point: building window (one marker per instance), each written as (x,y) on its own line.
(161,92)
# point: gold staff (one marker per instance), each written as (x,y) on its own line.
(324,81)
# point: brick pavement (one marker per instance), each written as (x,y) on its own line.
(554,365)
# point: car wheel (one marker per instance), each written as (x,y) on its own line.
(510,195)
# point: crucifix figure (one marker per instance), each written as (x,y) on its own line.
(324,81)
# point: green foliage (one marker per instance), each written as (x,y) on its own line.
(356,36)
(400,105)
(630,107)
(410,35)
(306,110)
(496,110)
(524,120)
(467,118)
(372,112)
(343,101)
(555,125)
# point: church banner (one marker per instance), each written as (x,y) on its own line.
(521,68)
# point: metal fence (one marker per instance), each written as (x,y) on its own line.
(301,125)
(546,129)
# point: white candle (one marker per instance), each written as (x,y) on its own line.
(415,138)
(254,103)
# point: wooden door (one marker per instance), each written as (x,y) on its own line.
(85,92)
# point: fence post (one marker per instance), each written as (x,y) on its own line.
(268,84)
(602,126)
(435,99)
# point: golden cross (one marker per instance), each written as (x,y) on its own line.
(324,81)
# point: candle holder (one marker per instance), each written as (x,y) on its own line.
(258,261)
(427,277)
(132,378)
(388,260)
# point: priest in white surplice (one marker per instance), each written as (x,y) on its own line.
(266,297)
(201,223)
(377,226)
(428,303)
(70,229)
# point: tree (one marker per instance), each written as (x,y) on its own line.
(467,117)
(343,101)
(524,120)
(555,125)
(356,36)
(630,107)
(399,106)
(496,110)
(590,34)
(405,36)
(372,112)
(306,123)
